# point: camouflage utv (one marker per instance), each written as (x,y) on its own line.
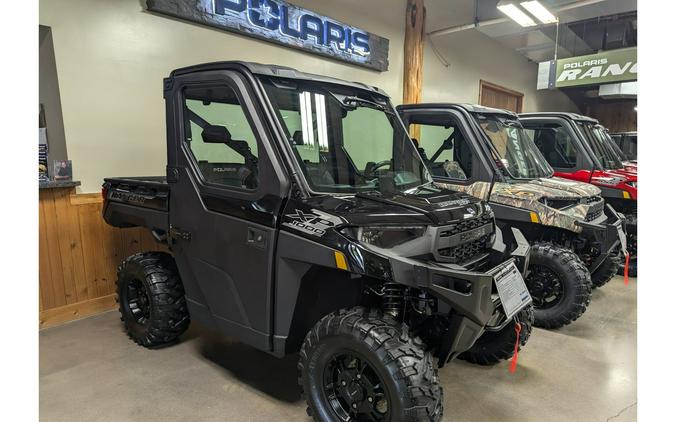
(575,236)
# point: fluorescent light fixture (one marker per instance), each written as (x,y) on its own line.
(539,11)
(513,12)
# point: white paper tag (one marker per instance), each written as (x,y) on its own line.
(512,289)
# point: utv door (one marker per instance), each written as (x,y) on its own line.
(447,144)
(559,144)
(225,195)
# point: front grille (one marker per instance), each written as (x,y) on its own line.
(458,243)
(466,225)
(592,215)
(466,251)
(595,209)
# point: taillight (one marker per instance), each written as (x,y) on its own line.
(104,192)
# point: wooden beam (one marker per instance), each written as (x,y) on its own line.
(413,58)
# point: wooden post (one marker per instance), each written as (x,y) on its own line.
(413,50)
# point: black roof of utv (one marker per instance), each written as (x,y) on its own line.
(272,70)
(470,108)
(565,115)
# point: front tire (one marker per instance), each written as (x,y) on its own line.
(560,285)
(151,299)
(495,346)
(359,364)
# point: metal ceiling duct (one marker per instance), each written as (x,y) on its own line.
(538,43)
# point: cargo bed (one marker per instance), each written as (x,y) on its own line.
(137,202)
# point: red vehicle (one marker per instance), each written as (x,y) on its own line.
(576,148)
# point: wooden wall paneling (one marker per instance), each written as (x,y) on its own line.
(57,273)
(64,244)
(79,255)
(73,239)
(45,271)
(92,247)
(616,115)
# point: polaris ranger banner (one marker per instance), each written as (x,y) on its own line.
(594,69)
(283,23)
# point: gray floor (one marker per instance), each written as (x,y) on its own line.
(90,371)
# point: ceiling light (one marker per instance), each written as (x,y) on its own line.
(512,11)
(539,11)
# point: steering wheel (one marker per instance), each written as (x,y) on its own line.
(370,170)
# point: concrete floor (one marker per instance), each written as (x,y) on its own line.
(90,371)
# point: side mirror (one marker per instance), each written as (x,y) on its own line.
(216,135)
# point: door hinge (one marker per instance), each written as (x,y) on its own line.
(176,233)
(171,174)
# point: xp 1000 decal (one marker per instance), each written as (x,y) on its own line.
(315,222)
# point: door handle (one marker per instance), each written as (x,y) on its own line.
(256,238)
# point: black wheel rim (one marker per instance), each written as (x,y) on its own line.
(138,301)
(546,288)
(354,390)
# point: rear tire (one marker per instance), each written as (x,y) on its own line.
(151,299)
(345,344)
(559,283)
(495,346)
(608,269)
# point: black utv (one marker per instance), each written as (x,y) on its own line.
(574,234)
(301,218)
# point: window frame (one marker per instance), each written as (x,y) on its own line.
(456,119)
(245,103)
(584,161)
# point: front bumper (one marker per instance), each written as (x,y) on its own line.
(467,295)
(603,237)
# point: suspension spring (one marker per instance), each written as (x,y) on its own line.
(392,298)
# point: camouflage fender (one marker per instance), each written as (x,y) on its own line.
(527,195)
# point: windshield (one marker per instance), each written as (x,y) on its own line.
(605,154)
(602,132)
(346,140)
(515,152)
(631,147)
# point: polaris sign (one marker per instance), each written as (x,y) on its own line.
(283,23)
(612,66)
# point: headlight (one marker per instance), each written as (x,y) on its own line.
(384,236)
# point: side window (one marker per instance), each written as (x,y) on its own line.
(446,151)
(220,137)
(555,144)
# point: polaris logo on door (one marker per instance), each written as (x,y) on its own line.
(283,23)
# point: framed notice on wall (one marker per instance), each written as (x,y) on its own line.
(283,23)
